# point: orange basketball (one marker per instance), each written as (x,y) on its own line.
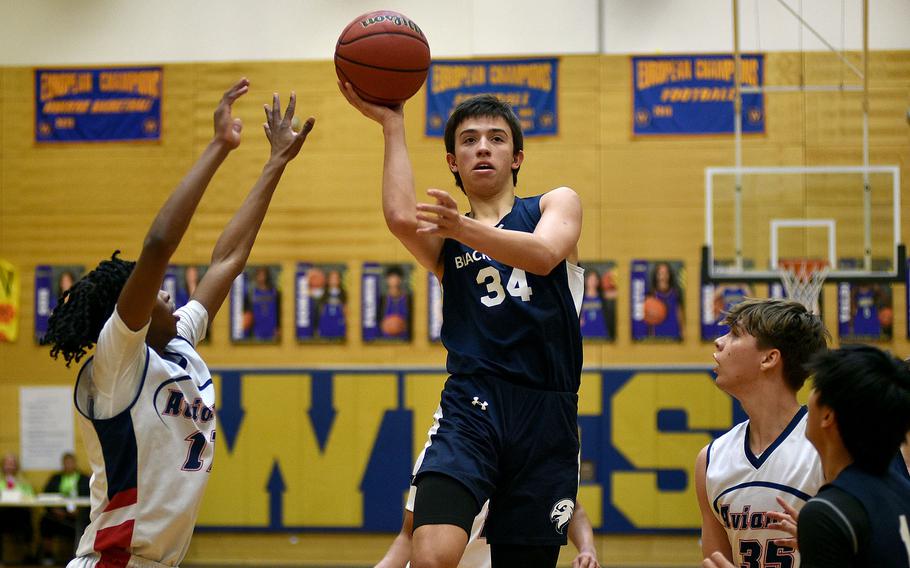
(393,325)
(384,56)
(886,317)
(655,311)
(607,282)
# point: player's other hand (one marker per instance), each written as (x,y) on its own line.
(382,114)
(586,559)
(716,560)
(227,128)
(785,521)
(441,218)
(286,142)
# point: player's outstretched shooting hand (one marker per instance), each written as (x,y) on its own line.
(227,128)
(285,140)
(441,218)
(381,114)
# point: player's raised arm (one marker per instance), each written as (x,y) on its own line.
(713,536)
(399,202)
(554,240)
(233,246)
(140,292)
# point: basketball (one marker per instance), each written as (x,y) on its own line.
(607,282)
(655,311)
(393,325)
(384,56)
(886,317)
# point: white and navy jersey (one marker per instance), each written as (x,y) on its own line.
(742,488)
(500,321)
(148,422)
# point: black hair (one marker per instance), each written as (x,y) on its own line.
(394,270)
(76,322)
(785,325)
(484,106)
(869,391)
(672,280)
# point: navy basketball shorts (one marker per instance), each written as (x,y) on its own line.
(517,447)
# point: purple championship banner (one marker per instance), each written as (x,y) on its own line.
(98,105)
(694,94)
(528,85)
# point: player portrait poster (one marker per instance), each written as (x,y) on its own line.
(180,281)
(907,301)
(320,302)
(598,304)
(865,310)
(256,305)
(50,283)
(386,302)
(434,308)
(717,299)
(658,294)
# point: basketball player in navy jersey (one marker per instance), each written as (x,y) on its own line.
(146,398)
(739,476)
(859,414)
(512,290)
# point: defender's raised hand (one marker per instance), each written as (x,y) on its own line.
(227,128)
(286,143)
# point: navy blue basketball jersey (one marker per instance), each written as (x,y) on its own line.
(504,322)
(886,499)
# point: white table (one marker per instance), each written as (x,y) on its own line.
(49,500)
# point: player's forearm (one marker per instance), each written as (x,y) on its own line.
(170,224)
(398,200)
(236,241)
(527,251)
(581,533)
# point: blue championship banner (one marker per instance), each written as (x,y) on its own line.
(529,85)
(693,94)
(98,105)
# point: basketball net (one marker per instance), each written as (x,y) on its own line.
(803,280)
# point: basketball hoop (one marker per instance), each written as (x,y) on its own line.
(803,279)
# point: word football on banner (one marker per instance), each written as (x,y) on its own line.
(98,105)
(694,94)
(529,85)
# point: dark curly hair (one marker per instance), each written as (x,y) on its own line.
(81,311)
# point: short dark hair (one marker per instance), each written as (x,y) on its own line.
(785,325)
(484,106)
(869,391)
(76,322)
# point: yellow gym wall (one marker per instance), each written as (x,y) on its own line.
(643,198)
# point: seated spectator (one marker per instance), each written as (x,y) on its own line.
(61,523)
(15,522)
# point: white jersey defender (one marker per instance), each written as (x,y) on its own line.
(148,422)
(741,487)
